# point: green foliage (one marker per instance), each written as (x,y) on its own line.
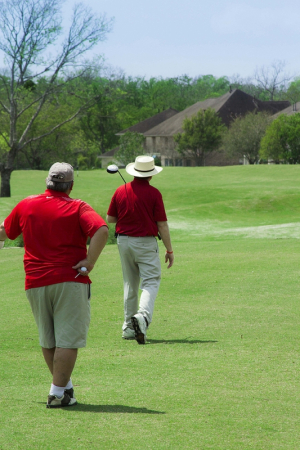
(244,136)
(157,160)
(202,134)
(131,146)
(282,140)
(4,147)
(293,92)
(87,151)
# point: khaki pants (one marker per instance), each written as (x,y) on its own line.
(140,262)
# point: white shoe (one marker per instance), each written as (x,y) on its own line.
(128,334)
(140,328)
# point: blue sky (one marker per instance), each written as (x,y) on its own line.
(169,38)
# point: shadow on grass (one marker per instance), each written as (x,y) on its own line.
(111,409)
(178,341)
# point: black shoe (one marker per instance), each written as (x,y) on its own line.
(140,328)
(70,392)
(56,402)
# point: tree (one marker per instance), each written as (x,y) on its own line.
(131,146)
(244,136)
(101,122)
(272,80)
(31,79)
(282,140)
(201,135)
(293,92)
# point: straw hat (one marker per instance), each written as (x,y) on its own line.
(143,167)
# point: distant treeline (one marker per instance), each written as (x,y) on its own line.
(120,102)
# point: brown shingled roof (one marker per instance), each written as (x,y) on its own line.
(174,124)
(276,106)
(147,124)
(110,152)
(292,109)
(229,106)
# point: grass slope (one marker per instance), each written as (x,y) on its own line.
(220,370)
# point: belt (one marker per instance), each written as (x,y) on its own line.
(121,234)
(126,235)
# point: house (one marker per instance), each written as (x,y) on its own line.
(160,129)
(290,110)
(233,104)
(141,127)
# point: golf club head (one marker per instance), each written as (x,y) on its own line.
(113,168)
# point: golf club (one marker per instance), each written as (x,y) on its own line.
(113,168)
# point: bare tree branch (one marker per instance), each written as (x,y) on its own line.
(272,79)
(27,29)
(52,130)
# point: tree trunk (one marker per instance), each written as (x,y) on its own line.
(5,182)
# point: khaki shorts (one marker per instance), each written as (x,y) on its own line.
(62,314)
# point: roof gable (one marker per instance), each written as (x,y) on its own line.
(229,106)
(147,124)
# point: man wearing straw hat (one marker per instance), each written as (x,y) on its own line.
(137,209)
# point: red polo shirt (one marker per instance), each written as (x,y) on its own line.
(137,206)
(55,228)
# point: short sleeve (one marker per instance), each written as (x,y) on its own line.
(112,210)
(90,221)
(12,224)
(159,210)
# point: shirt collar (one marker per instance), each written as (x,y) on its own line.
(55,193)
(140,180)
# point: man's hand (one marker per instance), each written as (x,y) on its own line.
(96,246)
(169,257)
(84,263)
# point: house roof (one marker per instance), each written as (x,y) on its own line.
(147,124)
(290,110)
(174,125)
(276,106)
(231,105)
(109,153)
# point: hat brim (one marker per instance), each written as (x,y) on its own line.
(135,173)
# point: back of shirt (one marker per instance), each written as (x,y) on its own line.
(138,207)
(55,230)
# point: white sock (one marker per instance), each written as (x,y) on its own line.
(69,385)
(58,391)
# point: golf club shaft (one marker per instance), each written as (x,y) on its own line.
(121,177)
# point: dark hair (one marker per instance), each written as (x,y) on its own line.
(57,186)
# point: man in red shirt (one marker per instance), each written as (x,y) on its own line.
(57,264)
(137,209)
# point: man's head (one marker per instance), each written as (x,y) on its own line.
(143,167)
(60,177)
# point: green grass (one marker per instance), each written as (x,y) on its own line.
(220,369)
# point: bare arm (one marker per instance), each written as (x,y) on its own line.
(111,219)
(3,235)
(96,246)
(164,231)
